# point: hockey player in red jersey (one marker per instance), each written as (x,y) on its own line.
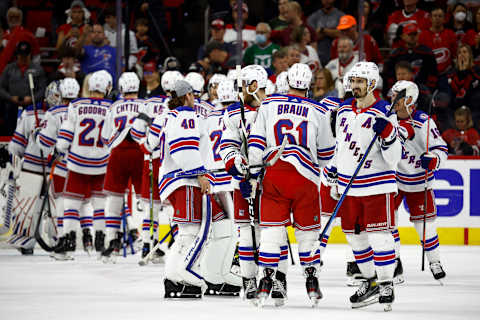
(367,211)
(80,137)
(238,121)
(291,184)
(416,128)
(125,163)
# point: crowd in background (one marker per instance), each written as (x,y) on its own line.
(434,43)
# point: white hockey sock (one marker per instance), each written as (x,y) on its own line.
(248,268)
(86,217)
(146,221)
(363,253)
(326,236)
(113,220)
(271,239)
(71,216)
(59,208)
(431,239)
(308,248)
(383,254)
(396,236)
(284,252)
(98,204)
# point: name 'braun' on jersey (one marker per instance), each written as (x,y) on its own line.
(210,150)
(47,137)
(232,134)
(410,174)
(23,144)
(80,135)
(354,133)
(119,121)
(306,125)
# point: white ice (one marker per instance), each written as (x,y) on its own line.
(37,287)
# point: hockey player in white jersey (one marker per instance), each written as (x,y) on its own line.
(367,211)
(33,167)
(179,141)
(46,139)
(291,184)
(212,89)
(216,265)
(414,127)
(282,83)
(125,163)
(80,137)
(238,121)
(202,107)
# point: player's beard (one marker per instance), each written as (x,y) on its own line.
(359,93)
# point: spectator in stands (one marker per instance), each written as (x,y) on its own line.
(110,29)
(151,86)
(420,57)
(217,32)
(442,42)
(69,67)
(279,64)
(410,14)
(217,59)
(308,55)
(348,27)
(325,22)
(14,86)
(464,139)
(147,49)
(459,23)
(465,80)
(261,51)
(375,19)
(97,56)
(338,67)
(15,34)
(70,32)
(248,31)
(280,22)
(294,17)
(472,38)
(323,85)
(293,55)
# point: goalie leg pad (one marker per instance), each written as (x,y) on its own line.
(248,268)
(216,263)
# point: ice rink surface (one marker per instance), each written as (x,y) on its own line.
(38,287)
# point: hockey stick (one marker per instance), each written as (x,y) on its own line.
(150,169)
(45,200)
(145,259)
(399,96)
(425,197)
(290,247)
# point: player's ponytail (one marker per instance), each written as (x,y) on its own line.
(175,101)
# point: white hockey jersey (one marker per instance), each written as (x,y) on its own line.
(23,144)
(306,125)
(47,137)
(80,135)
(210,148)
(179,144)
(118,123)
(153,107)
(203,108)
(354,133)
(232,136)
(410,174)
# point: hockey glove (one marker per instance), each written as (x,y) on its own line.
(334,193)
(248,188)
(236,164)
(406,130)
(382,127)
(429,161)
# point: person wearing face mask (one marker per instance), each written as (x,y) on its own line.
(262,50)
(459,23)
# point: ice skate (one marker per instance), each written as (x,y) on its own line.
(108,255)
(145,252)
(265,286)
(250,290)
(60,250)
(99,242)
(279,290)
(437,271)
(158,256)
(387,295)
(398,274)
(354,276)
(87,241)
(134,240)
(222,290)
(366,295)
(313,288)
(179,290)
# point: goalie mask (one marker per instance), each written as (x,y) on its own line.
(53,96)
